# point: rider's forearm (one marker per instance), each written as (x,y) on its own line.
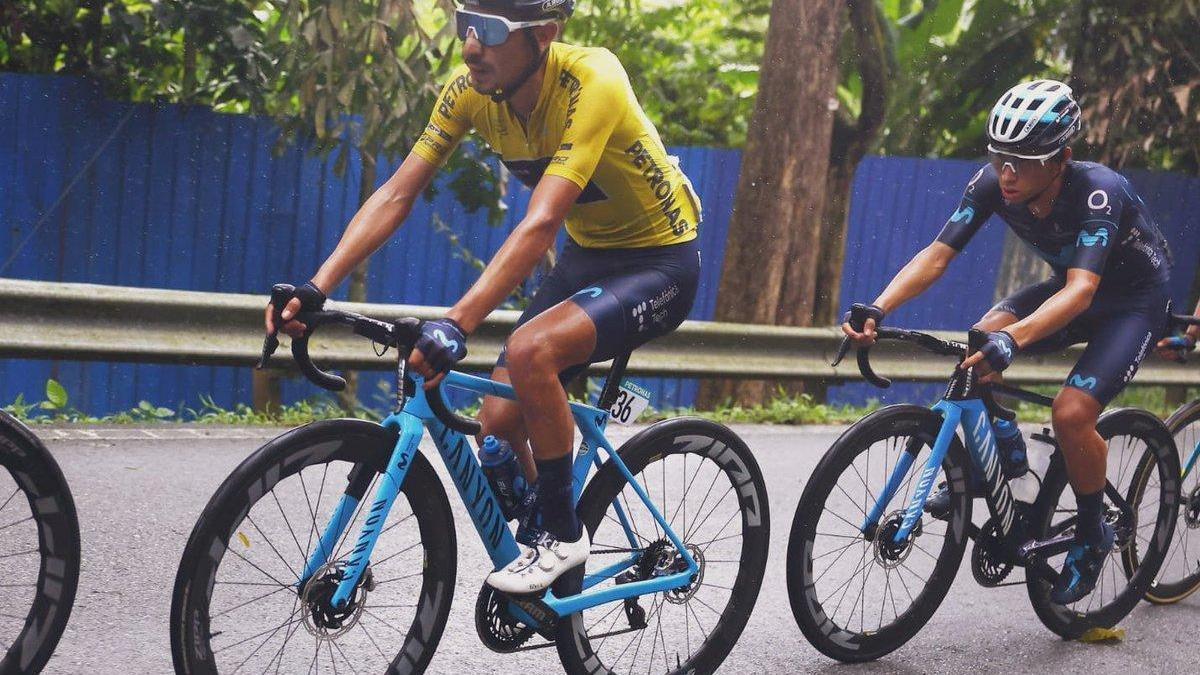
(1194,331)
(1054,314)
(916,277)
(373,225)
(513,264)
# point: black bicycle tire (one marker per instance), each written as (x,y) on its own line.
(370,444)
(1166,593)
(1068,623)
(829,639)
(717,442)
(40,478)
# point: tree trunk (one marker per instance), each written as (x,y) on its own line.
(348,397)
(770,263)
(1019,267)
(188,87)
(849,145)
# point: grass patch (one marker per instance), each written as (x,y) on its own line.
(56,409)
(783,409)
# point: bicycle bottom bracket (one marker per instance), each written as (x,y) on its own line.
(888,552)
(321,618)
(497,629)
(1191,509)
(989,564)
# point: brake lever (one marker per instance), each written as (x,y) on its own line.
(281,294)
(843,349)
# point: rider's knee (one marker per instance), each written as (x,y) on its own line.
(1072,412)
(501,418)
(529,353)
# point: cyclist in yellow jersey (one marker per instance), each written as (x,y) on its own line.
(567,124)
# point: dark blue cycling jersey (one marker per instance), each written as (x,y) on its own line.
(1098,223)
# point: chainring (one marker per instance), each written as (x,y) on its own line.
(988,562)
(497,630)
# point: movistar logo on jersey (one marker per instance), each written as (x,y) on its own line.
(964,215)
(1098,239)
(591,292)
(1078,382)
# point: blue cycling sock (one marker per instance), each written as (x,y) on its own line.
(556,502)
(1089,518)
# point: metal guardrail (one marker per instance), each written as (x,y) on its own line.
(85,322)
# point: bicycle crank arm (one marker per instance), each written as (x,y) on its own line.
(1046,548)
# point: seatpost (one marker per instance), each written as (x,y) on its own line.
(401,374)
(612,384)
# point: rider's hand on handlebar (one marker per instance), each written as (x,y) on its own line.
(865,337)
(1174,348)
(308,298)
(996,355)
(442,344)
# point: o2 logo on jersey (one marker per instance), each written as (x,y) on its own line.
(1098,201)
(1100,238)
(975,179)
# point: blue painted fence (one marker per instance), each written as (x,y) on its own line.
(188,199)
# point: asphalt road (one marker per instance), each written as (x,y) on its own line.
(139,492)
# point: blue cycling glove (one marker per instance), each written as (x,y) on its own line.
(443,343)
(1000,350)
(1181,343)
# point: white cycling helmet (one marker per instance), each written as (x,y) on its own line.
(1034,120)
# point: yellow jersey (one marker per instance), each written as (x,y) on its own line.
(588,128)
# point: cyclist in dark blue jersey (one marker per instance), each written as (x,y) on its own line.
(1110,266)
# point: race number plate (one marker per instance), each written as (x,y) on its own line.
(631,401)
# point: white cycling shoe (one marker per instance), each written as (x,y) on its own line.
(539,565)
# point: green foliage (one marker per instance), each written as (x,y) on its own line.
(363,71)
(207,52)
(1134,67)
(694,65)
(955,58)
(56,396)
(784,408)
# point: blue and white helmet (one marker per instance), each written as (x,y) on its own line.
(1034,120)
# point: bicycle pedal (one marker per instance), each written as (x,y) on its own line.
(1045,436)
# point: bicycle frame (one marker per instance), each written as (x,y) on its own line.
(481,503)
(1191,462)
(976,424)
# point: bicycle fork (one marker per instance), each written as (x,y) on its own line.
(385,495)
(952,415)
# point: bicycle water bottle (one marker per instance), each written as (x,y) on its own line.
(1011,445)
(1026,487)
(503,473)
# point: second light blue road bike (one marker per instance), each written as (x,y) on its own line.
(333,547)
(867,564)
(1180,573)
